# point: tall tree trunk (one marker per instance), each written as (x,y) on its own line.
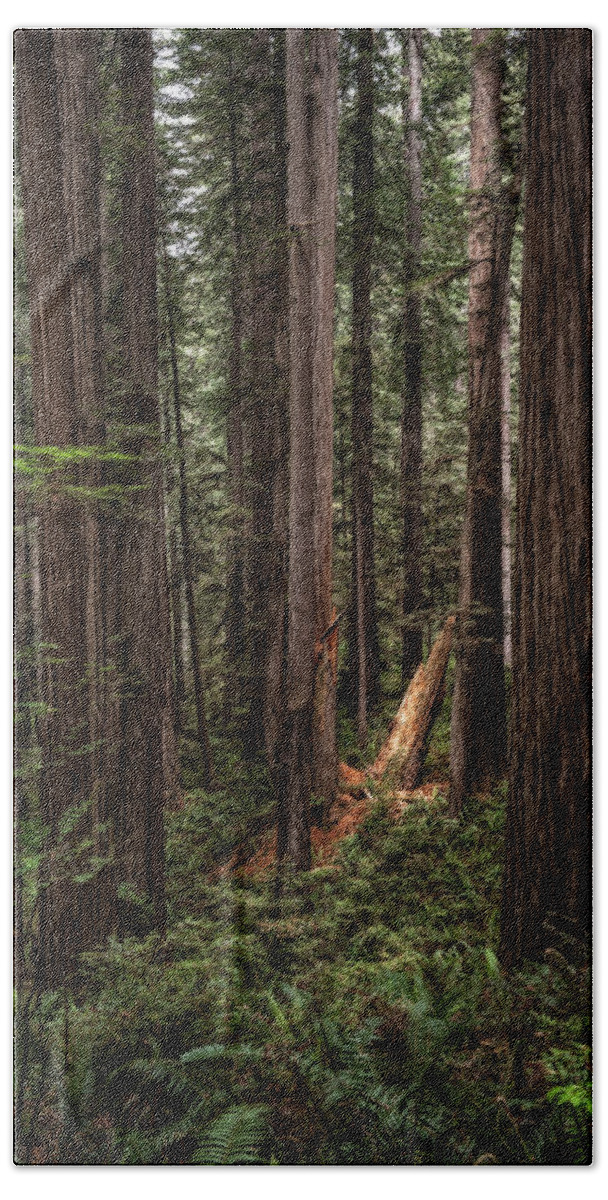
(184,523)
(505,434)
(25,698)
(113,474)
(411,427)
(267,389)
(478,712)
(76,57)
(174,554)
(175,577)
(148,757)
(546,885)
(235,620)
(309,743)
(276,661)
(59,166)
(363,627)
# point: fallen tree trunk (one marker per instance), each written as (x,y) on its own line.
(402,753)
(405,747)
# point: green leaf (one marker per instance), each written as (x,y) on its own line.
(204,1053)
(492,963)
(278,1014)
(576,1094)
(233,1139)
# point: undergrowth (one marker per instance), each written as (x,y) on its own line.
(358,1017)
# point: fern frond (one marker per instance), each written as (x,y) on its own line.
(233,1139)
(204,1053)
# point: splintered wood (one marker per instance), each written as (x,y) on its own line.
(405,747)
(402,755)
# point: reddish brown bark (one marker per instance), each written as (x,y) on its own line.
(505,431)
(267,391)
(309,743)
(411,423)
(276,662)
(546,886)
(76,58)
(147,769)
(59,159)
(364,656)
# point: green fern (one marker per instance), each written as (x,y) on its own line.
(233,1139)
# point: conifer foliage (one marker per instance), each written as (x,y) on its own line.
(302,349)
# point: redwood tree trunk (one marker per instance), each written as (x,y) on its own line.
(202,731)
(234,620)
(411,426)
(364,655)
(147,767)
(175,576)
(546,888)
(276,665)
(59,161)
(76,58)
(309,742)
(478,710)
(505,429)
(267,388)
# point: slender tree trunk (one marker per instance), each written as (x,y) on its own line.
(267,392)
(309,743)
(505,434)
(25,635)
(184,522)
(276,662)
(235,619)
(112,522)
(341,418)
(25,696)
(411,427)
(59,166)
(363,630)
(478,712)
(175,578)
(546,883)
(148,758)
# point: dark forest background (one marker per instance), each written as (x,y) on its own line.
(302,405)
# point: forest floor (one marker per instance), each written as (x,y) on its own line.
(401,756)
(352,805)
(357,1015)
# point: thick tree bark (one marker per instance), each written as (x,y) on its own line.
(59,154)
(267,379)
(478,711)
(309,743)
(546,888)
(202,731)
(147,752)
(76,57)
(277,651)
(364,656)
(411,426)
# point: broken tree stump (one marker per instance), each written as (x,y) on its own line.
(402,753)
(405,747)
